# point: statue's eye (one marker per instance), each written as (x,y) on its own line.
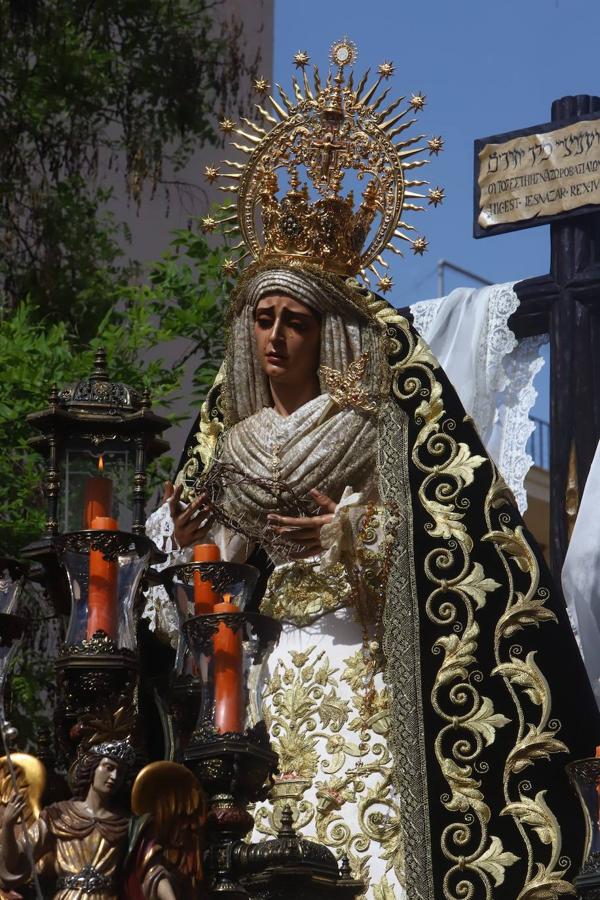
(264,321)
(298,324)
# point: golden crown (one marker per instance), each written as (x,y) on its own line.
(330,130)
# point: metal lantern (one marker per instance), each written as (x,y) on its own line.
(98,438)
(229,749)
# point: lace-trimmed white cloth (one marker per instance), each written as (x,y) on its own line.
(491,371)
(159,611)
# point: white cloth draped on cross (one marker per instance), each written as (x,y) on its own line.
(491,371)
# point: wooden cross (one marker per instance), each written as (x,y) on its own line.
(565,304)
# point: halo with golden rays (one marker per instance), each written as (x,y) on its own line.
(321,130)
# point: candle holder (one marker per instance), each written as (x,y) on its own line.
(229,749)
(98,438)
(585,776)
(295,868)
(98,665)
(12,580)
(217,651)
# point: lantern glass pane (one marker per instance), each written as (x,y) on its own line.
(590,796)
(225,652)
(105,596)
(96,483)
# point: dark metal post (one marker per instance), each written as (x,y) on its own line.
(574,330)
(52,486)
(139,487)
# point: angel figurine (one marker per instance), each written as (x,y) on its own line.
(87,842)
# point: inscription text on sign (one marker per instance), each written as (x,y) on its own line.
(537,174)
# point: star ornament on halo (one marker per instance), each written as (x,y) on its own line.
(261,85)
(208,224)
(417,101)
(435,196)
(211,173)
(435,144)
(227,125)
(386,69)
(419,246)
(301,59)
(385,284)
(229,267)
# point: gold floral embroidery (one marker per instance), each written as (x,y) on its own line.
(299,593)
(345,388)
(336,772)
(535,740)
(477,860)
(302,591)
(211,426)
(448,466)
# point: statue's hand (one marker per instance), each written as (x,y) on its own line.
(14,809)
(190,523)
(305,531)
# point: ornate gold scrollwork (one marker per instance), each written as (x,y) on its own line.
(477,859)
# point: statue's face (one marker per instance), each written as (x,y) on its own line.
(288,339)
(108,777)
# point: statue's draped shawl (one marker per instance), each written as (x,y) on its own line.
(489,696)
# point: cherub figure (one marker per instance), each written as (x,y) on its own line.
(85,840)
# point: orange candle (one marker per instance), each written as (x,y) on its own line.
(228,673)
(97,498)
(204,596)
(102,591)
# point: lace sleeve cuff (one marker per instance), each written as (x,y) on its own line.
(337,537)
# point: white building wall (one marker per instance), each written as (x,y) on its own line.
(152,221)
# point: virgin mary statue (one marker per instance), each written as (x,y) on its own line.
(427,691)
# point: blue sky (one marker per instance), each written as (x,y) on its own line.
(486,68)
